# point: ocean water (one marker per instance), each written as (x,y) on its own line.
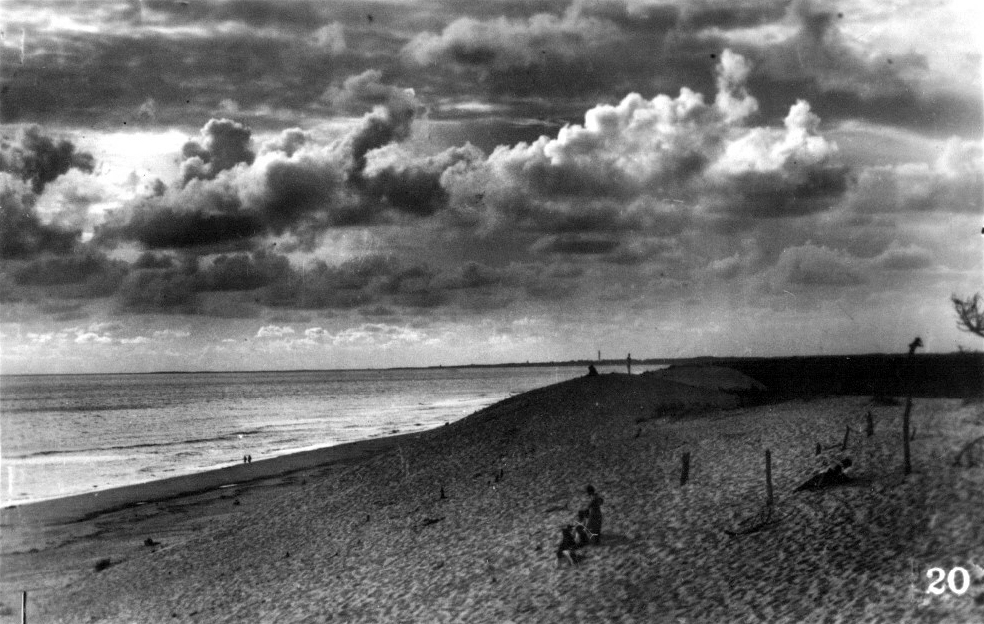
(69,434)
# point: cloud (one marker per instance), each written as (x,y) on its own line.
(413,184)
(92,338)
(231,197)
(149,290)
(639,164)
(274,331)
(909,258)
(37,158)
(86,273)
(504,43)
(244,272)
(222,145)
(811,266)
(767,172)
(954,183)
(22,234)
(28,164)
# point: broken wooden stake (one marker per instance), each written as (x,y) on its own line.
(684,468)
(869,428)
(847,435)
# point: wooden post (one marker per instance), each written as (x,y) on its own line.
(915,344)
(847,434)
(869,429)
(819,448)
(628,363)
(684,468)
(768,477)
(24,607)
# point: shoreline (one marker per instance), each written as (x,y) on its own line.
(81,507)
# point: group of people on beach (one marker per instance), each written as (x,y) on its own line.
(586,530)
(247,459)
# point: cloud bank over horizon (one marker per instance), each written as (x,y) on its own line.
(691,179)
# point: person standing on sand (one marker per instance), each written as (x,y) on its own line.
(594,514)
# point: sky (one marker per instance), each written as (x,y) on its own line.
(296,184)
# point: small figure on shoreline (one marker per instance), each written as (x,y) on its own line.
(592,371)
(249,459)
(244,459)
(594,515)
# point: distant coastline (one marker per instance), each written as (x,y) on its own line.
(933,359)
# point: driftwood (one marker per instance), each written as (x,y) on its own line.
(967,450)
(760,521)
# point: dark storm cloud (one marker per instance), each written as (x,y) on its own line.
(576,244)
(28,164)
(244,272)
(149,291)
(84,273)
(22,234)
(78,76)
(164,227)
(701,15)
(37,158)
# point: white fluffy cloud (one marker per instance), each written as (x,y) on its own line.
(274,331)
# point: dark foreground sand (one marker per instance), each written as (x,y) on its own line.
(362,534)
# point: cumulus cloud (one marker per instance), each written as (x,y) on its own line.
(274,331)
(628,164)
(768,172)
(504,43)
(953,183)
(222,145)
(230,196)
(813,266)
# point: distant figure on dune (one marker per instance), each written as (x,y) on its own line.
(567,548)
(592,371)
(834,475)
(249,459)
(594,516)
(244,459)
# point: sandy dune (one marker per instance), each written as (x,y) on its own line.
(372,541)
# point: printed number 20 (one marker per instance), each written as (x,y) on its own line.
(936,586)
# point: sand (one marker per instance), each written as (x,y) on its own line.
(371,539)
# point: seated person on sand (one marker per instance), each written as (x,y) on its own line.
(581,535)
(594,516)
(567,548)
(592,371)
(837,474)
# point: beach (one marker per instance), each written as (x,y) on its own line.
(460,523)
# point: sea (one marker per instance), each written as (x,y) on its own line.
(62,435)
